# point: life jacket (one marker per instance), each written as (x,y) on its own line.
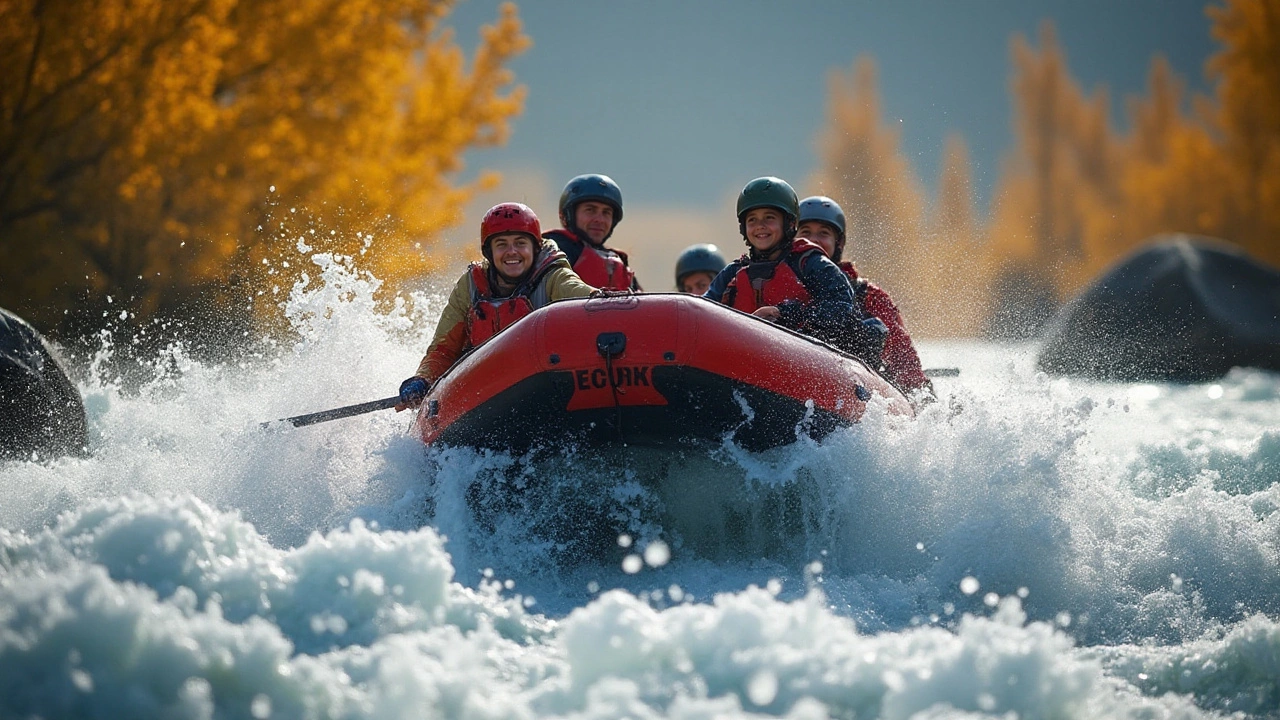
(600,267)
(490,315)
(761,284)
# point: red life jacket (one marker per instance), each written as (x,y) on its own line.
(603,268)
(761,284)
(490,315)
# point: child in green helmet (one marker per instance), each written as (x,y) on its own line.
(789,281)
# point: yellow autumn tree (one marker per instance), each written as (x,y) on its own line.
(1060,172)
(1247,119)
(149,149)
(955,304)
(1216,169)
(862,169)
(1172,178)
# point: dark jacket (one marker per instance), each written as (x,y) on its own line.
(829,315)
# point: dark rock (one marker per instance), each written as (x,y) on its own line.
(41,411)
(1183,309)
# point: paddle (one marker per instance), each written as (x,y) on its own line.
(336,413)
(941,372)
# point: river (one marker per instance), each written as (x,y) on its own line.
(1029,546)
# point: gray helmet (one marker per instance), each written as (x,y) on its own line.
(824,209)
(699,258)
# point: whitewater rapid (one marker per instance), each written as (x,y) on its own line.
(1029,546)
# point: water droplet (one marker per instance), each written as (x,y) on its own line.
(762,688)
(657,554)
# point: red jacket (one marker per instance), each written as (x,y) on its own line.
(901,363)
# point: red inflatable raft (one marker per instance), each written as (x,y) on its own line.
(650,369)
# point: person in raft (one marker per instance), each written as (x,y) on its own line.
(520,273)
(791,281)
(822,222)
(590,208)
(697,266)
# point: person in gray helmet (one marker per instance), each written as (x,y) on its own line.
(697,266)
(821,221)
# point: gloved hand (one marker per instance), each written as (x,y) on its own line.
(866,341)
(413,390)
(875,333)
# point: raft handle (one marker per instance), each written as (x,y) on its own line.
(611,344)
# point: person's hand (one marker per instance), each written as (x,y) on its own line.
(412,392)
(768,312)
(867,341)
(607,293)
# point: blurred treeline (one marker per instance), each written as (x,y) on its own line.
(158,156)
(1074,195)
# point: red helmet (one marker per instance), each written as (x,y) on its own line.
(508,218)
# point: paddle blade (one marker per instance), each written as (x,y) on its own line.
(336,413)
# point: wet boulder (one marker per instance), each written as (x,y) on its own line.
(1183,309)
(41,412)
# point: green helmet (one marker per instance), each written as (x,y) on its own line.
(768,192)
(699,258)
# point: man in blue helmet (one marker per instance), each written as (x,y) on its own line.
(590,208)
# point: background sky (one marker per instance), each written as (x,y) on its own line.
(683,101)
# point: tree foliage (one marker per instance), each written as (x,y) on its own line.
(1075,194)
(864,171)
(146,144)
(1211,166)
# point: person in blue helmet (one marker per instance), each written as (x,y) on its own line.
(791,281)
(822,222)
(697,266)
(590,208)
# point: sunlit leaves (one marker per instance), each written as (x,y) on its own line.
(139,139)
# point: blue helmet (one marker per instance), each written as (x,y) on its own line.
(699,258)
(824,209)
(600,188)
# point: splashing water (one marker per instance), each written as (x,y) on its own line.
(1031,546)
